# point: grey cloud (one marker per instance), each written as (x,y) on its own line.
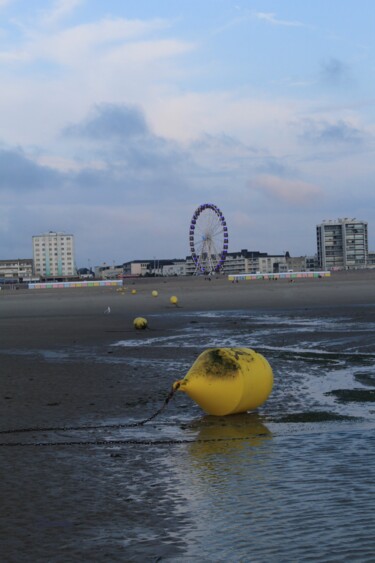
(143,168)
(109,122)
(123,140)
(332,133)
(273,166)
(334,72)
(217,142)
(137,163)
(19,173)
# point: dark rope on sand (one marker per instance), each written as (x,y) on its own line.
(129,442)
(100,427)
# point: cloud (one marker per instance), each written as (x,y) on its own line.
(59,10)
(19,174)
(273,166)
(116,40)
(272,19)
(112,41)
(334,72)
(127,152)
(130,165)
(294,192)
(339,133)
(111,121)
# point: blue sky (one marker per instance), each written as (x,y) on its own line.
(119,118)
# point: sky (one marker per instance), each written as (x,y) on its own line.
(119,118)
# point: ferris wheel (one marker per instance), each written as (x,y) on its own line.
(208,237)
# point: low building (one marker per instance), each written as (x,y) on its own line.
(106,272)
(154,267)
(136,268)
(312,264)
(246,261)
(301,263)
(174,268)
(16,270)
(85,273)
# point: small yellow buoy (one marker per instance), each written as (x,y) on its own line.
(154,293)
(134,291)
(228,380)
(140,323)
(174,300)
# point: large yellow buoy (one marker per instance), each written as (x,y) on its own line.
(228,380)
(140,323)
(173,300)
(154,293)
(134,291)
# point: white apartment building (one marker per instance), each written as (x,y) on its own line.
(342,244)
(53,255)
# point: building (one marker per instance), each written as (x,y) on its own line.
(154,267)
(246,261)
(106,272)
(18,270)
(175,267)
(311,263)
(371,259)
(297,263)
(342,244)
(53,255)
(137,268)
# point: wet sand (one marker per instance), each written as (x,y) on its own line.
(59,368)
(37,390)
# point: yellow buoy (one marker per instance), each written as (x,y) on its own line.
(140,323)
(154,293)
(228,380)
(173,300)
(134,291)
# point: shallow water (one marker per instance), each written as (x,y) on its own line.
(292,482)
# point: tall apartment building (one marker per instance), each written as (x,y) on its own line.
(53,255)
(342,244)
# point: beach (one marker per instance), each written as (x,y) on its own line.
(34,322)
(72,361)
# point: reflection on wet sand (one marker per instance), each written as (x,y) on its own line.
(226,435)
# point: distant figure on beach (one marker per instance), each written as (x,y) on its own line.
(107,311)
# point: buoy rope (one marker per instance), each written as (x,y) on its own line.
(99,427)
(131,442)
